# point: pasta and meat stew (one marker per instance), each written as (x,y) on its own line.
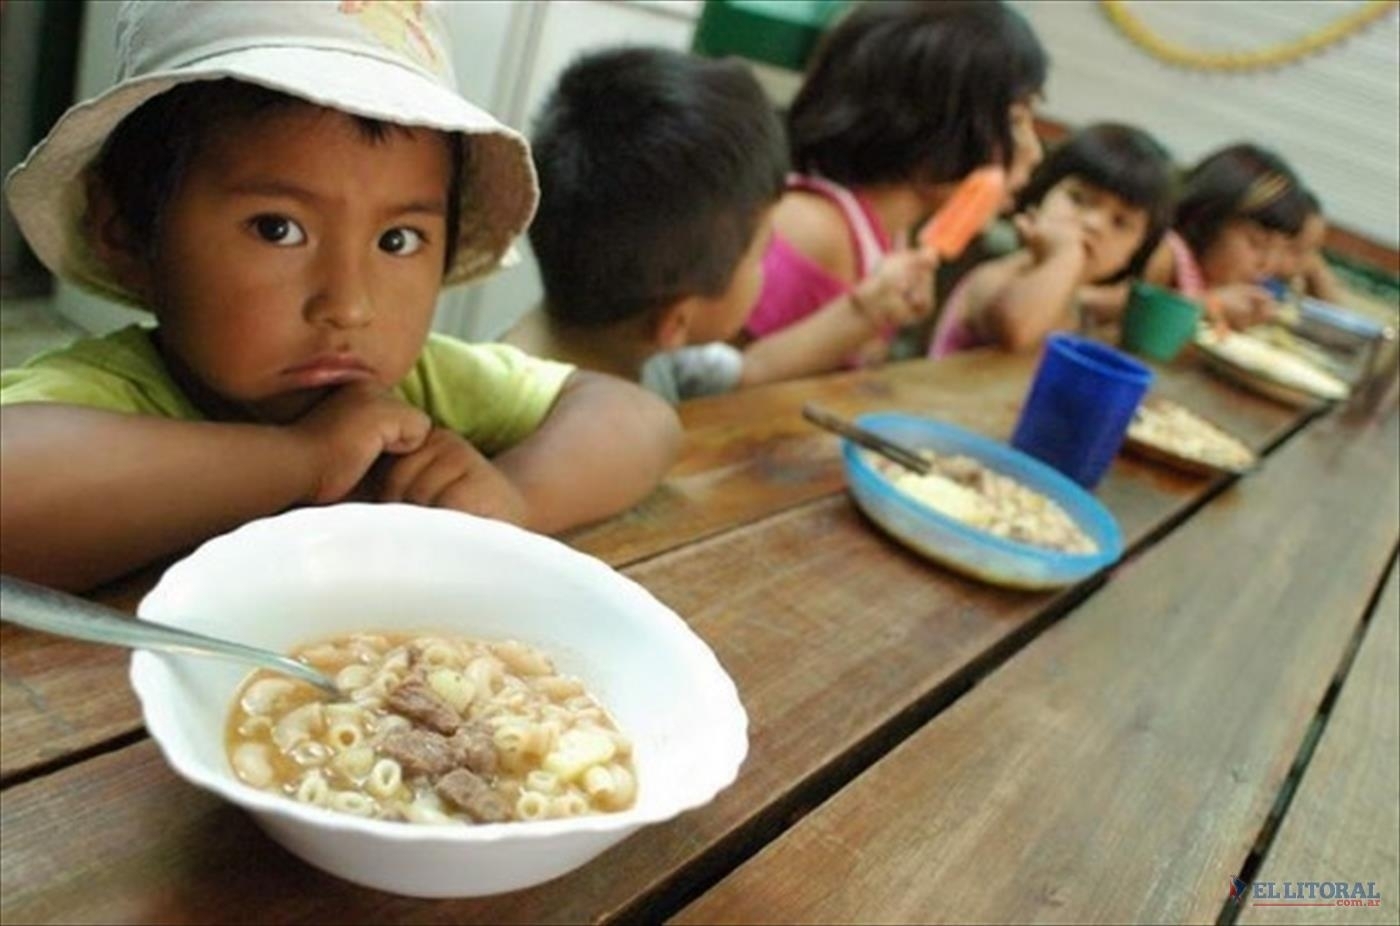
(963,488)
(433,730)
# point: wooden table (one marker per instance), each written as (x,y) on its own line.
(1222,703)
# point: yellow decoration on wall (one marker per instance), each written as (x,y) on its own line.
(1275,56)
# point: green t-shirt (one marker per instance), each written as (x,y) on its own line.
(494,395)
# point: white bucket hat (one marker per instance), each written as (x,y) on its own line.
(383,59)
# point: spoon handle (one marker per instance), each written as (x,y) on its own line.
(52,611)
(904,456)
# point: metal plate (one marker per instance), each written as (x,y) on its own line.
(1192,465)
(1258,382)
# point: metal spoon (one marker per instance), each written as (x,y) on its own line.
(56,612)
(904,456)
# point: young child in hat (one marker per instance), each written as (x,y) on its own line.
(286,187)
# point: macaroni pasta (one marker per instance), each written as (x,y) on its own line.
(433,730)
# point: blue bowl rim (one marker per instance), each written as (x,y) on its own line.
(1109,554)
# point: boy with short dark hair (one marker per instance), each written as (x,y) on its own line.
(658,172)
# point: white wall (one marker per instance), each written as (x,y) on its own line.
(97,69)
(1335,116)
(549,37)
(21,53)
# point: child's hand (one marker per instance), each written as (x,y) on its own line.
(1104,302)
(349,429)
(900,290)
(1240,305)
(448,472)
(1048,234)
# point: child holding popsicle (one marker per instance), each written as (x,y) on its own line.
(1092,214)
(903,100)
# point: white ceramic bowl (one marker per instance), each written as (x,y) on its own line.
(316,573)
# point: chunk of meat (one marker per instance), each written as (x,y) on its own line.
(419,703)
(475,748)
(420,752)
(965,471)
(465,790)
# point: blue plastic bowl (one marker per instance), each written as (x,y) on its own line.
(966,549)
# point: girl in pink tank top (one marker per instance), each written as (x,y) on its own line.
(795,286)
(879,146)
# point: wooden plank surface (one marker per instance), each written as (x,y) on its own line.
(747,456)
(799,606)
(1344,822)
(57,695)
(1119,768)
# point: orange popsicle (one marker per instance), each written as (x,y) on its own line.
(971,207)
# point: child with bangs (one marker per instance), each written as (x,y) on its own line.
(286,187)
(1238,209)
(1299,265)
(1091,216)
(901,102)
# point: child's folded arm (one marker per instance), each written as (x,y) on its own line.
(1320,281)
(898,293)
(1238,305)
(604,446)
(1033,300)
(88,495)
(820,342)
(1104,302)
(76,516)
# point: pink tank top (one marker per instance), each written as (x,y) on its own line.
(1190,281)
(795,286)
(953,333)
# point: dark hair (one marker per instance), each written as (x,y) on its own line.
(654,168)
(1311,204)
(1126,162)
(909,90)
(1239,182)
(147,155)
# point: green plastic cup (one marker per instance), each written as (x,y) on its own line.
(1158,322)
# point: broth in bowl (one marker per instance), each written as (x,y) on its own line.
(330,574)
(434,729)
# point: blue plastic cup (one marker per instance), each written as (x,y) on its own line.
(1276,287)
(1079,408)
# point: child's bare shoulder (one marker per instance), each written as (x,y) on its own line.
(815,226)
(1161,266)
